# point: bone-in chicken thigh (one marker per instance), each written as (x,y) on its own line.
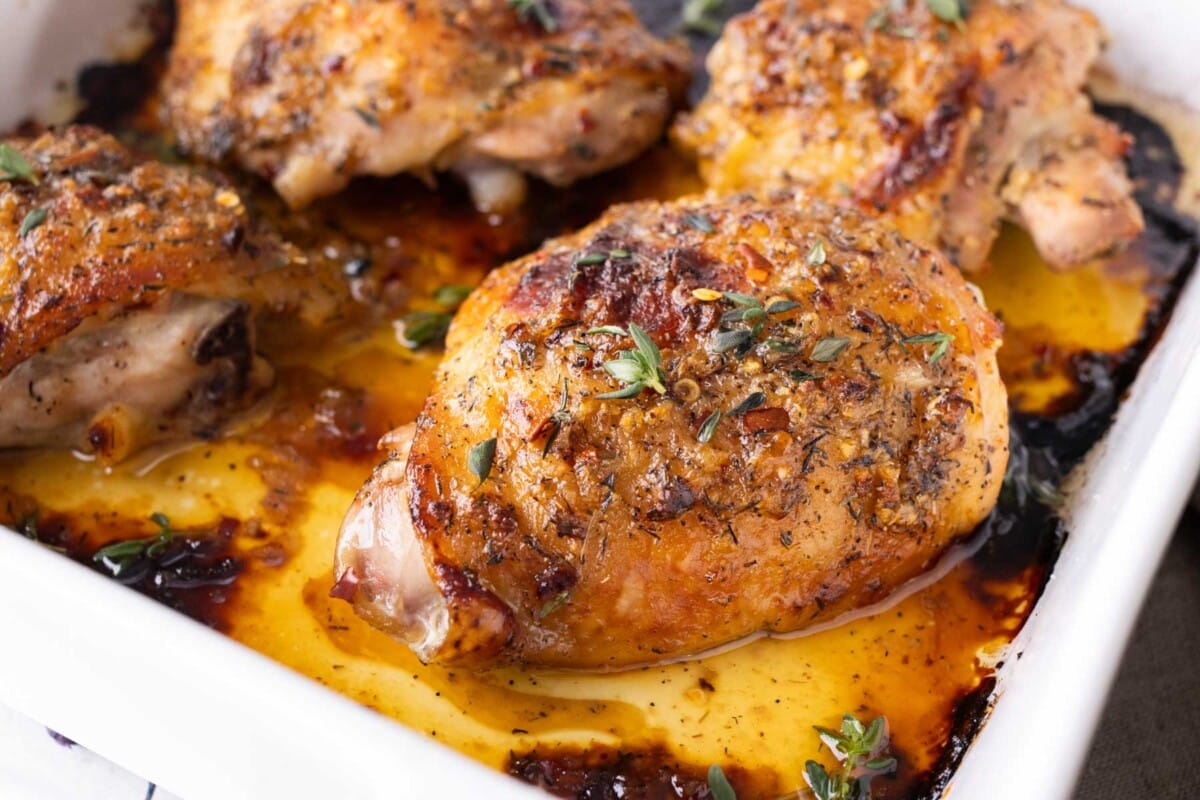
(311,94)
(947,128)
(684,425)
(127,296)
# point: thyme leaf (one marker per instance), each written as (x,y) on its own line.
(816,254)
(948,10)
(699,222)
(422,328)
(751,402)
(718,784)
(829,348)
(709,427)
(451,295)
(34,218)
(536,10)
(557,420)
(14,166)
(555,603)
(479,460)
(699,16)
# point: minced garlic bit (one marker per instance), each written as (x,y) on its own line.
(706,295)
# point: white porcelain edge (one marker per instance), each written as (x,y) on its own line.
(115,671)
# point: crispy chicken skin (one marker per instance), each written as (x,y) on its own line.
(947,129)
(128,289)
(606,534)
(311,94)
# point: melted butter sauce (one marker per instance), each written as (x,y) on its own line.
(288,471)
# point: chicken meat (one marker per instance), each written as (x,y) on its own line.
(129,294)
(309,94)
(948,128)
(687,424)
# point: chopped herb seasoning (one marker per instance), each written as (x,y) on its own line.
(752,402)
(480,459)
(862,751)
(709,427)
(829,348)
(942,340)
(801,376)
(700,16)
(785,538)
(699,222)
(718,784)
(34,218)
(554,604)
(638,368)
(782,306)
(536,10)
(816,254)
(14,166)
(618,254)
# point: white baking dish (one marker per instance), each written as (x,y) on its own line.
(208,718)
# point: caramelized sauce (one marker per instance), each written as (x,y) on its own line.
(272,491)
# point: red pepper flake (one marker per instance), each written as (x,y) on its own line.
(758,268)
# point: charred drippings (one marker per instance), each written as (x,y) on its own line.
(111,91)
(193,571)
(604,773)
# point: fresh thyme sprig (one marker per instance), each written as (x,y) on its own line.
(750,311)
(942,340)
(554,423)
(639,368)
(120,556)
(862,751)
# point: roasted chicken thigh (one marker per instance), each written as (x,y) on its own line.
(947,128)
(686,424)
(311,94)
(128,293)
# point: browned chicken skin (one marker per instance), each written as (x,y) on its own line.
(311,94)
(606,533)
(128,289)
(946,129)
